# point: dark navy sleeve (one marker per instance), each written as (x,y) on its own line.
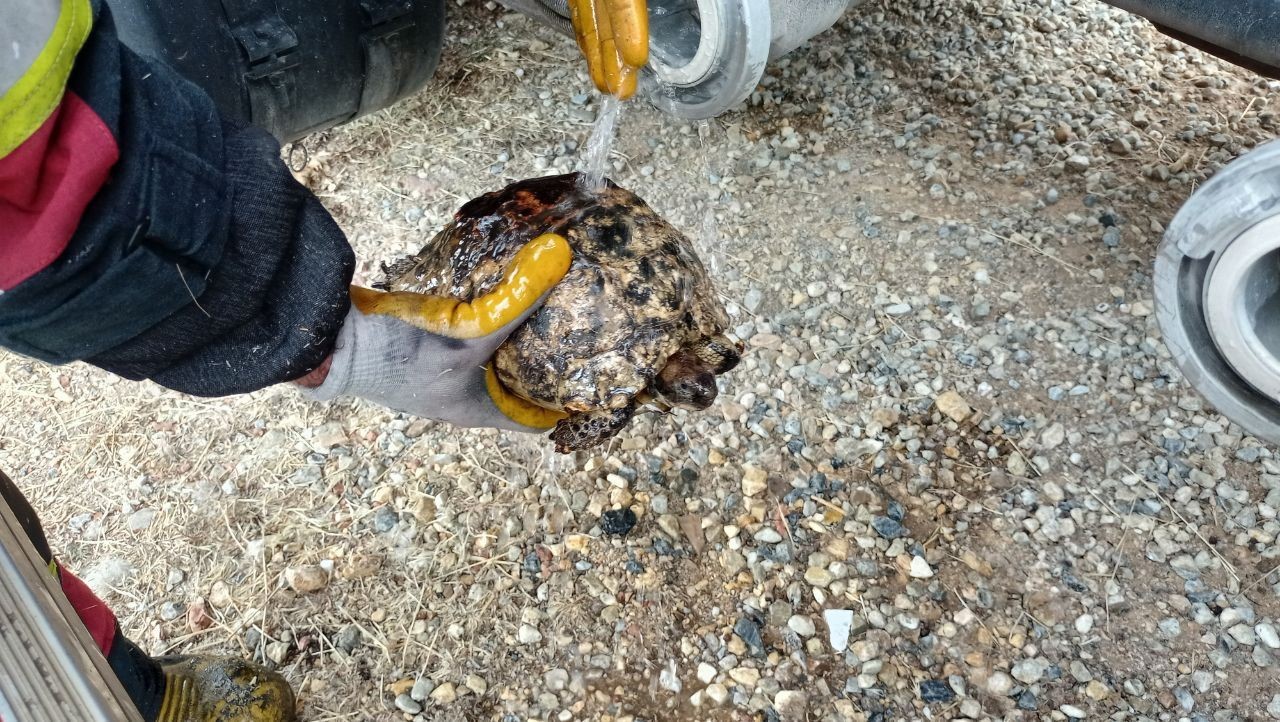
(200,263)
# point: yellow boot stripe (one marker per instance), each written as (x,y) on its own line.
(33,98)
(517,409)
(536,268)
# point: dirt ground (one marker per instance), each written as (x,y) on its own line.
(443,552)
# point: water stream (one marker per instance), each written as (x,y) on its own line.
(595,159)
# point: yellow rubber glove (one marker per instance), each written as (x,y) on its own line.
(614,37)
(430,356)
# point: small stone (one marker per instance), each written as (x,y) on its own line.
(1028,671)
(1072,711)
(1078,163)
(754,480)
(1273,709)
(277,652)
(1267,635)
(745,676)
(791,705)
(307,578)
(1052,437)
(329,435)
(953,405)
(528,634)
(385,519)
(349,638)
(220,594)
(1084,623)
(768,535)
(1169,627)
(141,519)
(422,688)
(936,690)
(801,625)
(669,680)
(897,309)
(749,631)
(706,673)
(818,577)
(475,683)
(617,522)
(999,684)
(888,528)
(839,625)
(1243,634)
(719,694)
(444,694)
(920,568)
(405,703)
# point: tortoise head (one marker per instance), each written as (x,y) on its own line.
(688,380)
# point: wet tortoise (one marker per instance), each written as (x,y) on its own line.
(635,321)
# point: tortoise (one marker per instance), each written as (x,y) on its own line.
(635,323)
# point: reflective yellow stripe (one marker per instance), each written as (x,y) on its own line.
(32,99)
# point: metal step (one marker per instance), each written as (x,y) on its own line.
(50,669)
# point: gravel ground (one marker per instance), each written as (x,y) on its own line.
(956,476)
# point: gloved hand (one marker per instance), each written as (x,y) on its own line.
(429,356)
(614,37)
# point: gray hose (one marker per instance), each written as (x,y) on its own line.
(1249,28)
(553,13)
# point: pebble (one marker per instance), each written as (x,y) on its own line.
(422,687)
(717,693)
(953,405)
(141,519)
(617,522)
(888,528)
(791,705)
(1243,634)
(745,676)
(754,480)
(818,577)
(920,568)
(801,625)
(444,694)
(528,634)
(307,578)
(1029,671)
(1267,635)
(839,626)
(1072,711)
(936,690)
(999,684)
(406,703)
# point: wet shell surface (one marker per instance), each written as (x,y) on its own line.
(635,321)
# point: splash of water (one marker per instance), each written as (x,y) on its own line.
(600,142)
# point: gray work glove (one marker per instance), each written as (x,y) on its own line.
(429,356)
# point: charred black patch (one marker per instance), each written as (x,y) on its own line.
(609,232)
(645,269)
(542,321)
(638,292)
(582,337)
(533,192)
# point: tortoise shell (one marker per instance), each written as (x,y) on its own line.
(635,321)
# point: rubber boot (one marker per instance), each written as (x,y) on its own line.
(223,689)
